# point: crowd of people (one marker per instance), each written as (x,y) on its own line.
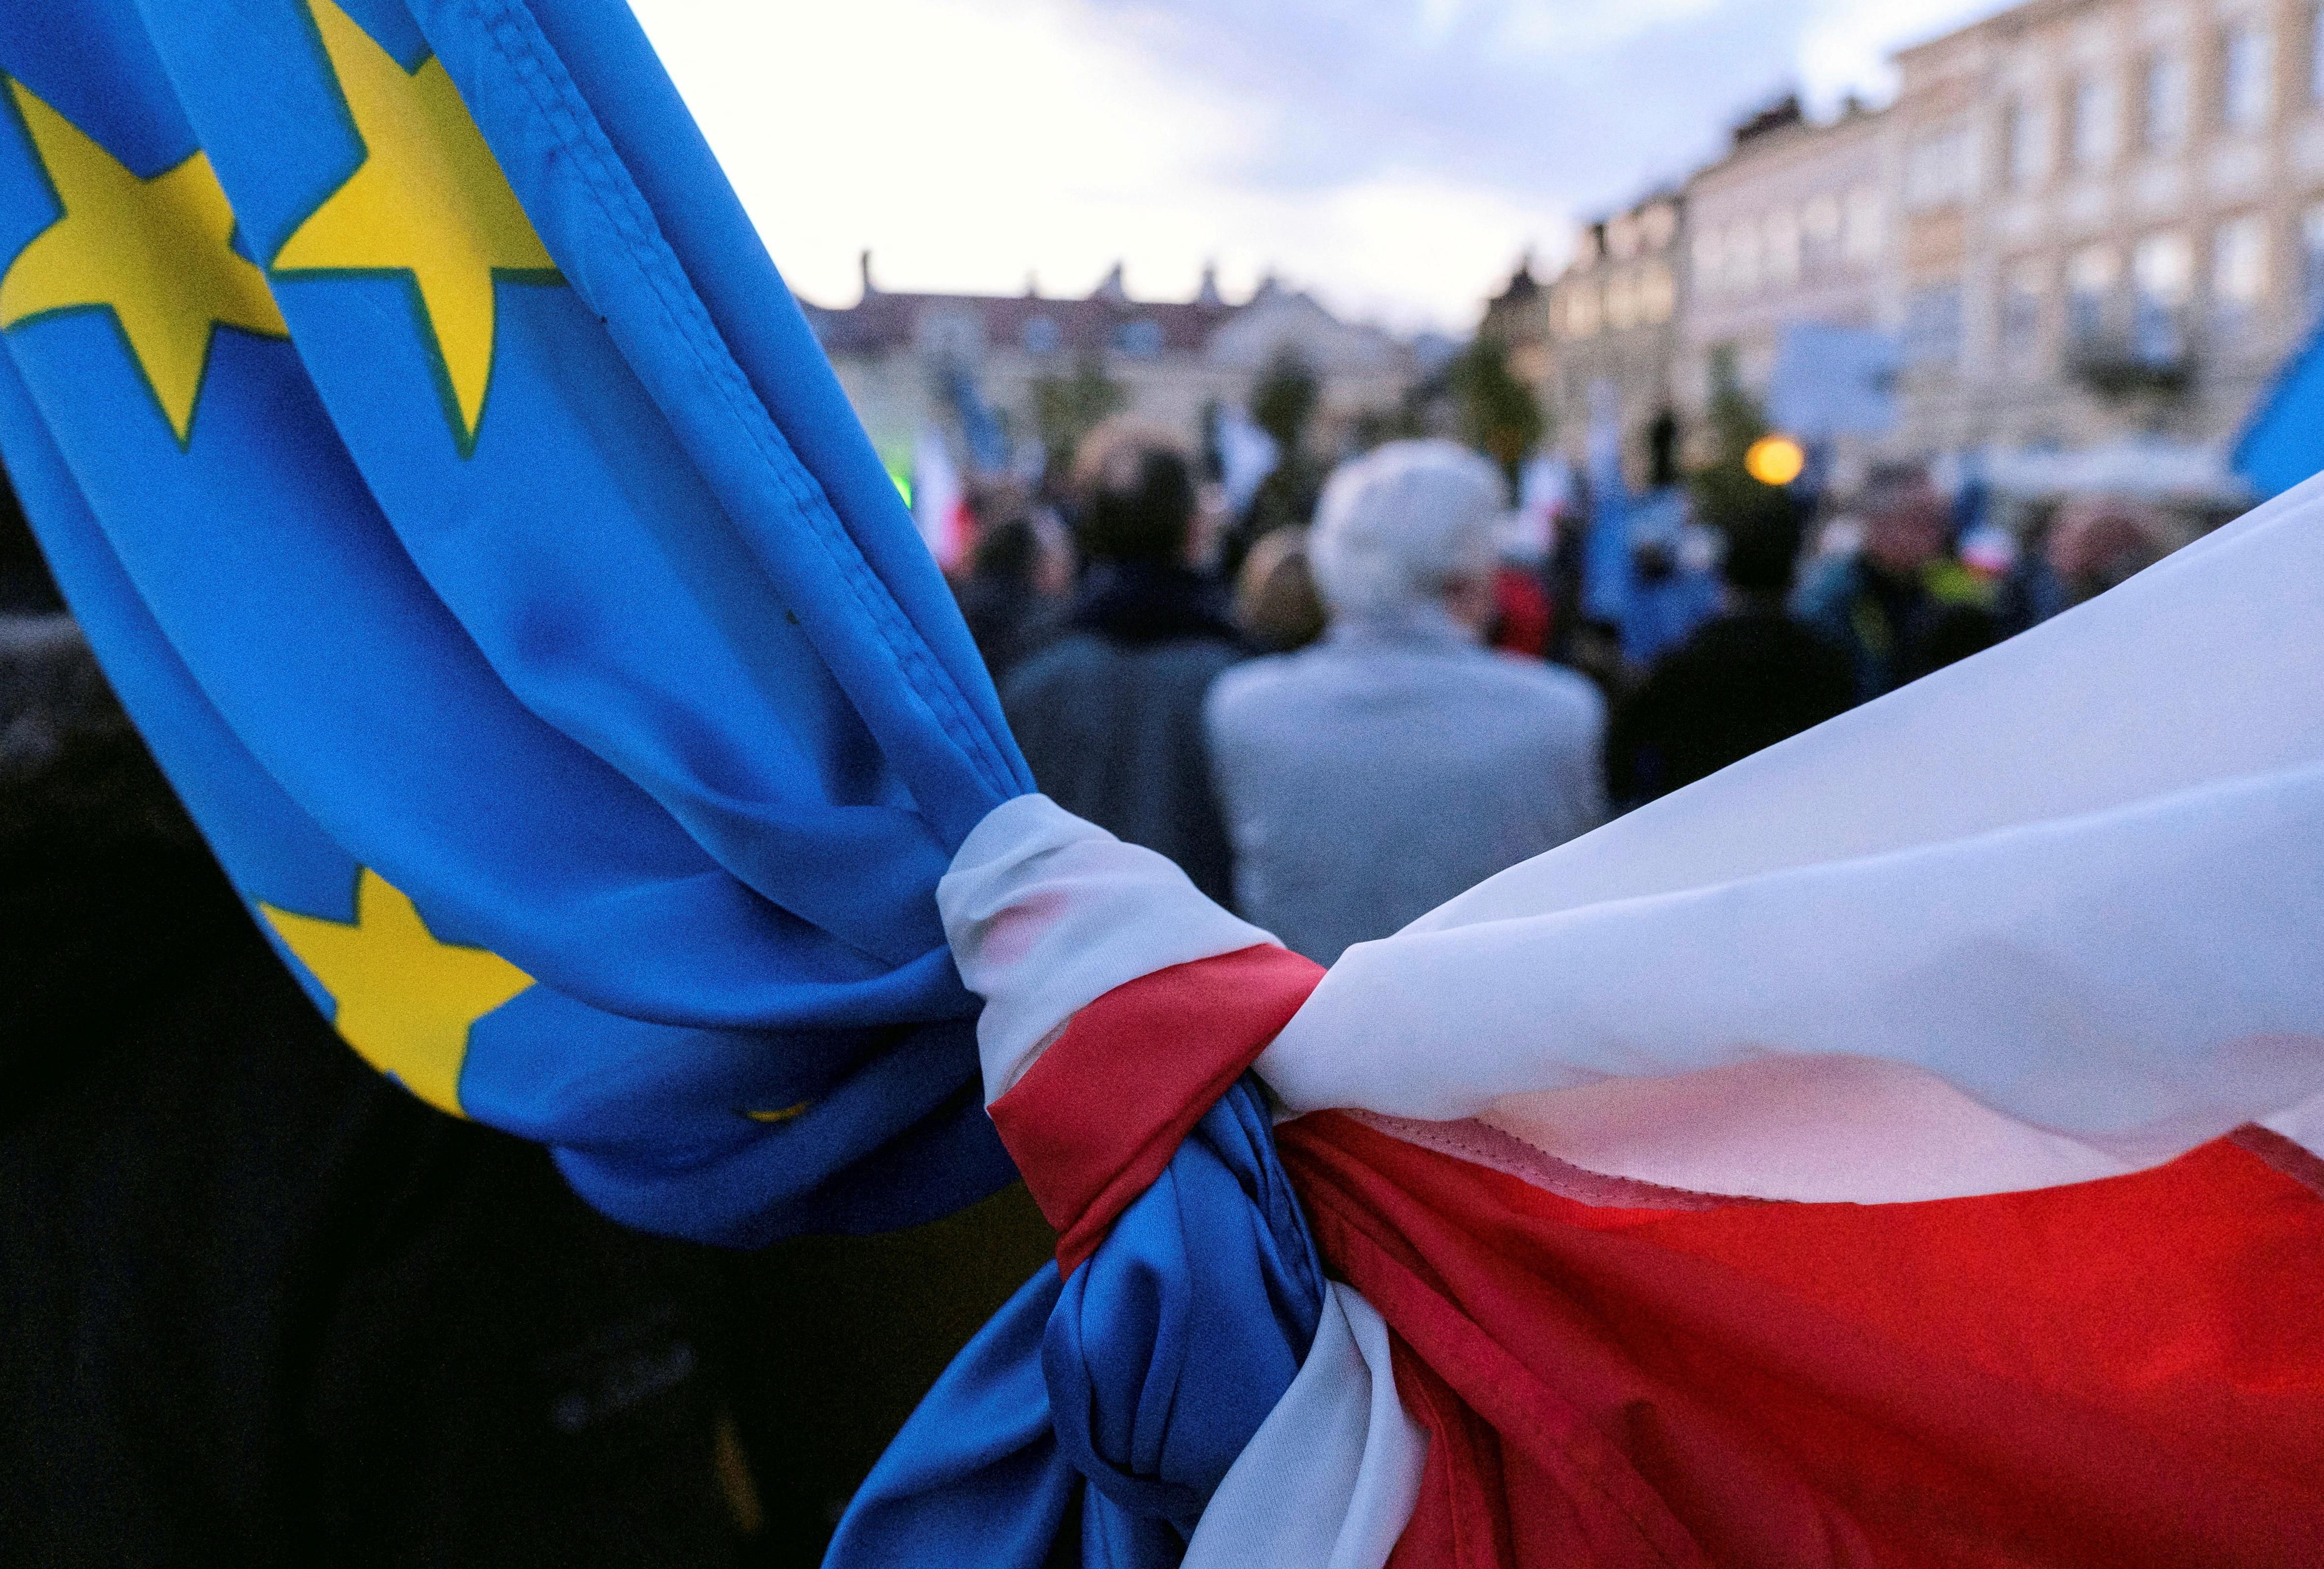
(420,1346)
(1378,709)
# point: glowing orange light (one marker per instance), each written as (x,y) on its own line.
(1775,460)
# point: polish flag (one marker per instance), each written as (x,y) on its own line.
(939,501)
(1901,1148)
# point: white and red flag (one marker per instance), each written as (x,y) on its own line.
(1900,1149)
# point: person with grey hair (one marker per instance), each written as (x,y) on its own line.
(1372,776)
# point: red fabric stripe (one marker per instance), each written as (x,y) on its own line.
(2296,1161)
(2127,1373)
(1098,1116)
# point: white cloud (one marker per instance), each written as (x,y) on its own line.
(1846,49)
(1396,155)
(969,143)
(962,141)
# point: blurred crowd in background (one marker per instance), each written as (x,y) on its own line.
(1342,623)
(1335,721)
(265,1307)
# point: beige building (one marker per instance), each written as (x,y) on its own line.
(2112,218)
(902,357)
(1792,226)
(1610,319)
(1517,318)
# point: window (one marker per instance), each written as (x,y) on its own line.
(1783,249)
(2091,280)
(2162,274)
(2021,313)
(2247,66)
(1580,311)
(1743,258)
(1658,294)
(1820,230)
(2162,124)
(1932,326)
(1937,169)
(1042,336)
(1141,339)
(949,333)
(1710,262)
(1868,224)
(2026,126)
(2238,271)
(1658,226)
(1621,303)
(2311,247)
(2094,114)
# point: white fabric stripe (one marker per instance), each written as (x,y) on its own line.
(2075,887)
(2207,667)
(1046,913)
(1332,1476)
(2094,977)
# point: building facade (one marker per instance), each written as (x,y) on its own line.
(910,362)
(1609,325)
(1791,227)
(2112,218)
(1517,320)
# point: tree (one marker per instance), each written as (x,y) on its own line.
(1726,496)
(1736,417)
(1283,400)
(1499,414)
(1065,408)
(1283,403)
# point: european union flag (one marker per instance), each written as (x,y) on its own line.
(469,519)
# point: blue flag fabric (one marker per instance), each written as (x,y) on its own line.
(472,528)
(1105,1410)
(1607,577)
(2281,443)
(1653,613)
(470,522)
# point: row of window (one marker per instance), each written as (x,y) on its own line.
(1823,234)
(1627,236)
(2145,307)
(1644,296)
(2159,116)
(1140,339)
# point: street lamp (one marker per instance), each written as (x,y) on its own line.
(1775,460)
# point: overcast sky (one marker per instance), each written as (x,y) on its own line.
(1396,156)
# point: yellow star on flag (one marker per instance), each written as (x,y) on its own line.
(428,200)
(404,1001)
(156,253)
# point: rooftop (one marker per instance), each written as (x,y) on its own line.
(1104,320)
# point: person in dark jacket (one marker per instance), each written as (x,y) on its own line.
(1895,604)
(25,588)
(263,1307)
(1110,716)
(1013,594)
(1750,676)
